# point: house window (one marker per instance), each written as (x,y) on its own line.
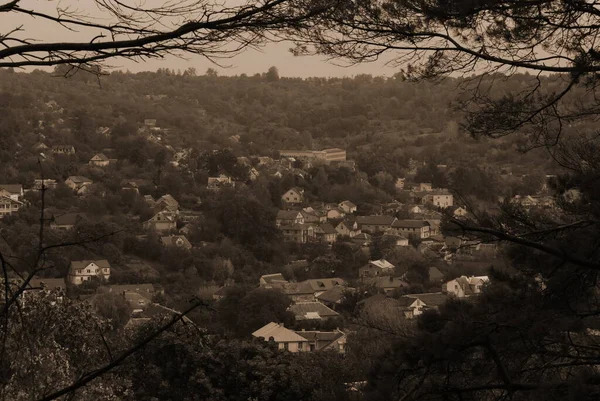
(299,346)
(286,346)
(89,271)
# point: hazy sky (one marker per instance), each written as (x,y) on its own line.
(250,62)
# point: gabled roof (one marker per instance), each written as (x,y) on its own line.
(79,179)
(410,224)
(375,220)
(279,333)
(287,214)
(176,240)
(431,299)
(12,188)
(311,310)
(347,203)
(82,264)
(435,273)
(168,200)
(324,336)
(100,157)
(68,219)
(327,228)
(297,189)
(323,284)
(47,283)
(334,295)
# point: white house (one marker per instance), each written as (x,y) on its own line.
(99,160)
(464,286)
(286,339)
(293,196)
(348,207)
(81,271)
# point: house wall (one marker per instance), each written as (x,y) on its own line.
(8,206)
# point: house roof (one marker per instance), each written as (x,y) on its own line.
(323,284)
(375,220)
(410,224)
(311,310)
(362,237)
(279,333)
(174,240)
(287,214)
(388,282)
(347,203)
(168,199)
(325,336)
(271,278)
(382,264)
(82,264)
(327,228)
(430,299)
(100,156)
(69,219)
(334,295)
(12,188)
(78,179)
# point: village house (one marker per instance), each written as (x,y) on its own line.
(411,307)
(285,339)
(347,206)
(464,286)
(362,239)
(441,199)
(79,184)
(13,191)
(334,296)
(375,223)
(222,181)
(66,221)
(335,213)
(313,216)
(178,241)
(415,209)
(63,149)
(8,205)
(289,217)
(459,212)
(376,268)
(293,196)
(309,290)
(99,160)
(424,186)
(134,184)
(325,233)
(325,340)
(348,227)
(166,203)
(299,233)
(396,239)
(430,300)
(272,280)
(415,228)
(81,271)
(161,222)
(146,290)
(312,311)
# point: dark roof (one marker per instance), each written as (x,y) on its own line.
(78,179)
(334,295)
(303,310)
(139,288)
(431,299)
(379,220)
(12,188)
(435,273)
(287,214)
(328,228)
(328,336)
(387,282)
(69,219)
(410,224)
(81,264)
(100,156)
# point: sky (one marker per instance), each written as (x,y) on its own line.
(250,62)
